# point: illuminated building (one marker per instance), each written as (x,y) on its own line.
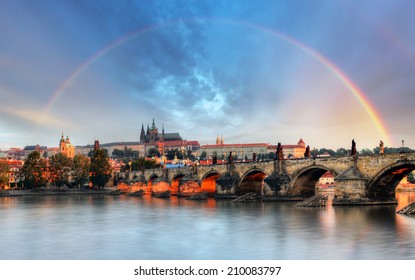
(66,147)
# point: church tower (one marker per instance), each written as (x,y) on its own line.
(153,133)
(66,148)
(62,146)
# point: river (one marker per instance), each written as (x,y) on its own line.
(96,227)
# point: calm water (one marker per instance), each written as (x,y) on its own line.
(106,227)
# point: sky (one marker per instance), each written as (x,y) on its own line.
(254,71)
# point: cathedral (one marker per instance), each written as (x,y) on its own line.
(152,135)
(66,147)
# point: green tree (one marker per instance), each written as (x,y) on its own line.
(117,153)
(190,155)
(80,169)
(128,153)
(153,152)
(100,168)
(203,155)
(141,163)
(173,153)
(34,171)
(4,177)
(60,167)
(342,152)
(366,152)
(324,150)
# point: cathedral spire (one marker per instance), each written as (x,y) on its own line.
(153,125)
(142,134)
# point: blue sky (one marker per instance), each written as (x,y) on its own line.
(241,69)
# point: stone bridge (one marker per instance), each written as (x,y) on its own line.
(357,179)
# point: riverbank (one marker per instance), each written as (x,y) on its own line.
(6,193)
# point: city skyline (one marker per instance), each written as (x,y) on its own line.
(252,71)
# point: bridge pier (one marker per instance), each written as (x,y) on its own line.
(276,186)
(226,184)
(161,184)
(351,189)
(189,185)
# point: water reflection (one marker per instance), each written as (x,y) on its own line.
(121,227)
(404,198)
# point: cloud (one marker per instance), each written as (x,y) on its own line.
(26,117)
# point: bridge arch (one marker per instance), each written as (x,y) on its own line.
(208,181)
(175,183)
(385,182)
(150,181)
(252,181)
(304,181)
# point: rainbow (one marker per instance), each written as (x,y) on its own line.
(337,72)
(353,88)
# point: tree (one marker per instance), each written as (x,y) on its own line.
(153,152)
(4,177)
(142,163)
(80,169)
(366,152)
(100,168)
(128,153)
(34,171)
(329,151)
(203,155)
(117,153)
(342,152)
(174,153)
(190,155)
(60,167)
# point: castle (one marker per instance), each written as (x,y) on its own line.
(152,135)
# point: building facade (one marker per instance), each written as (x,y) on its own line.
(294,151)
(247,151)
